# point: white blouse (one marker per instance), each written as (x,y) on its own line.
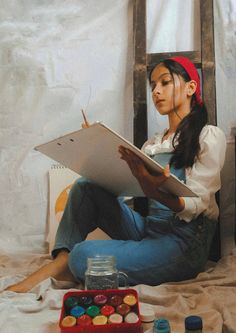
(204,176)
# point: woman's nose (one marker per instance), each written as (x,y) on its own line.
(156,90)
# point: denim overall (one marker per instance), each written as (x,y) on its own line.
(150,250)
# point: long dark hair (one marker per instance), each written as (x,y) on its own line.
(186,139)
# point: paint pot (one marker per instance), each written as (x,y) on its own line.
(147,316)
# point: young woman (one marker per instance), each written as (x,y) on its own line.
(172,243)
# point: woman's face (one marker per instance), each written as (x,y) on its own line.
(168,93)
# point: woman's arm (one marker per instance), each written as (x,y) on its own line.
(204,176)
(150,183)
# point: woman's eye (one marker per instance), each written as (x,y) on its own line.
(164,83)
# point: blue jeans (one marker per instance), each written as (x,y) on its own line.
(150,250)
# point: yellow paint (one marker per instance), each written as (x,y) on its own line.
(62,199)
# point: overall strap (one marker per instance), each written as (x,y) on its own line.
(156,208)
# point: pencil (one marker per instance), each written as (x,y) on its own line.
(85,119)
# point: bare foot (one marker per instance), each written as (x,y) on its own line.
(20,287)
(58,269)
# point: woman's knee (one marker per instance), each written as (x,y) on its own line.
(79,190)
(79,185)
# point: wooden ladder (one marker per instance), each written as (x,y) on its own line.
(203,59)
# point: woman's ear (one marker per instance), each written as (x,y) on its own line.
(192,86)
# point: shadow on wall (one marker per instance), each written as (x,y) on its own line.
(227,201)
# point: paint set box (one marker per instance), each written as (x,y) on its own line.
(103,311)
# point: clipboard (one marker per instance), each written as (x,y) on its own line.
(93,153)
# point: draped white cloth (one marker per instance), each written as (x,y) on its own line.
(212,295)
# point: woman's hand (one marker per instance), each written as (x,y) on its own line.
(85,125)
(149,182)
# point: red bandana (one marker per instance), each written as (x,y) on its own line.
(193,74)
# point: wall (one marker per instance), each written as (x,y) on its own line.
(171,27)
(56,57)
(225,49)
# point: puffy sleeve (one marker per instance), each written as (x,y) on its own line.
(150,141)
(204,176)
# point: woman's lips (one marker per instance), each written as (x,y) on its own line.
(159,101)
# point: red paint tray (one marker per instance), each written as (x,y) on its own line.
(104,328)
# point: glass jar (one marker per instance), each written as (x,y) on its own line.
(101,273)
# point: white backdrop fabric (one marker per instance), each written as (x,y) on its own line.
(59,56)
